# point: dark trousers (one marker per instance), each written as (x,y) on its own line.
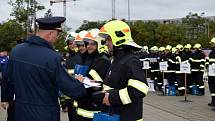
(11,111)
(71,110)
(157,81)
(211,83)
(171,78)
(197,79)
(181,84)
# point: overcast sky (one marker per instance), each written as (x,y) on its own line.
(102,10)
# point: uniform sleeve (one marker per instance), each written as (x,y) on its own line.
(136,89)
(171,61)
(105,64)
(203,61)
(68,85)
(207,62)
(4,90)
(100,70)
(178,58)
(68,62)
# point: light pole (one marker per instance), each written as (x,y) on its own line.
(113,9)
(31,16)
(128,10)
(208,30)
(28,21)
(34,16)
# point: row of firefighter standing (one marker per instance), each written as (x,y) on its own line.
(123,78)
(84,58)
(173,76)
(36,75)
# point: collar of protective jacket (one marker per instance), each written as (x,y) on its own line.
(39,41)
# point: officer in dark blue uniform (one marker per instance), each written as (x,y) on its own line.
(36,71)
(7,98)
(3,62)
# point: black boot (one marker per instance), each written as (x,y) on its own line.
(212,102)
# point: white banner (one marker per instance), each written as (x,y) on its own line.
(211,71)
(185,68)
(146,65)
(163,66)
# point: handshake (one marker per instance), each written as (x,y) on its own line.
(88,82)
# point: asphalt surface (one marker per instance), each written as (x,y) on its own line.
(168,108)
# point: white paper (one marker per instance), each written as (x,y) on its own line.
(211,71)
(146,65)
(88,83)
(163,66)
(86,86)
(185,68)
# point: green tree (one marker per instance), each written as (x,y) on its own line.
(196,28)
(11,32)
(193,29)
(171,34)
(23,13)
(60,44)
(211,29)
(143,33)
(87,25)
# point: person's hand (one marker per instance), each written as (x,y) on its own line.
(4,105)
(106,99)
(79,77)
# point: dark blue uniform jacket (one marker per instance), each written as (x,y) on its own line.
(5,93)
(36,71)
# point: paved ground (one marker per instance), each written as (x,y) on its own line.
(169,108)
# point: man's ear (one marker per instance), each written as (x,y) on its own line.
(51,32)
(48,34)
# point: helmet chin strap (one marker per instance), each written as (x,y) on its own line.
(125,48)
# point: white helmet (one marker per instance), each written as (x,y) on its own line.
(81,35)
(145,49)
(71,36)
(154,48)
(92,34)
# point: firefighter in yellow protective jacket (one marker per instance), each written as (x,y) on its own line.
(98,64)
(211,78)
(125,79)
(197,61)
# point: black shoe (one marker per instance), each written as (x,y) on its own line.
(211,104)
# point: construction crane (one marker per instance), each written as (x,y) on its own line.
(64,6)
(31,16)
